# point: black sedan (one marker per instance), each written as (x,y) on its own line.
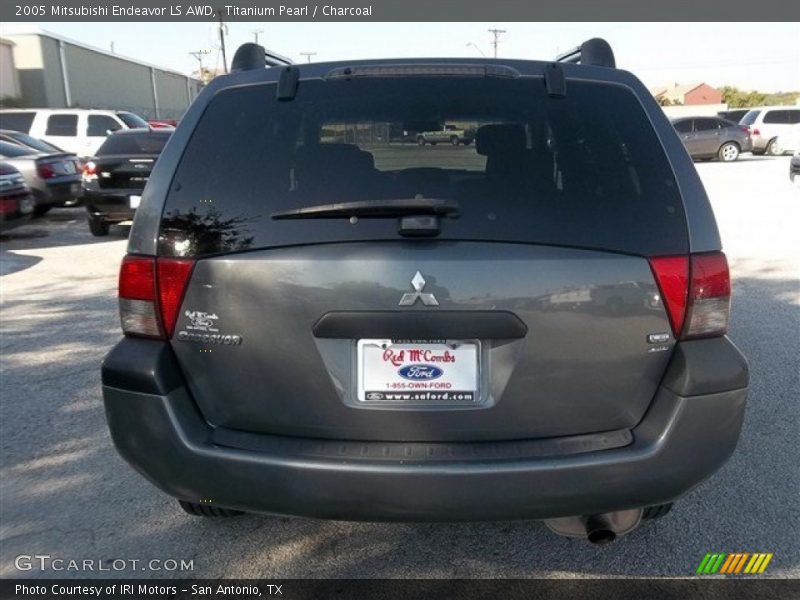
(712,137)
(114,179)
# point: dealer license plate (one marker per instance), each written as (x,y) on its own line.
(412,372)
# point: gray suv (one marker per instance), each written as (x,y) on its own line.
(322,320)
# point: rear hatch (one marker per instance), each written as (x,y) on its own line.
(352,284)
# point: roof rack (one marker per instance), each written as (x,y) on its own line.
(251,56)
(596,52)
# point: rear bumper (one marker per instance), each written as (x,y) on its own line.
(683,438)
(112,205)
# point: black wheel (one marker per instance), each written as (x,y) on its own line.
(434,143)
(774,148)
(421,141)
(656,512)
(728,152)
(454,140)
(98,227)
(41,209)
(208,510)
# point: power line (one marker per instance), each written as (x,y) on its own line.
(496,33)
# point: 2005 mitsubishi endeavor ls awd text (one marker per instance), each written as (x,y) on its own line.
(323,318)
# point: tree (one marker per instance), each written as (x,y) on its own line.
(736,98)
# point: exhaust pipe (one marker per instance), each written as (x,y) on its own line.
(599,529)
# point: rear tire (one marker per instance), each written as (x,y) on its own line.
(208,510)
(98,227)
(420,141)
(454,140)
(774,148)
(728,152)
(656,512)
(41,209)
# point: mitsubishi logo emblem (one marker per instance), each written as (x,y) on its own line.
(410,298)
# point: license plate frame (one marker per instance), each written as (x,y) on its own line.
(428,378)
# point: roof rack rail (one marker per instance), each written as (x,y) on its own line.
(251,56)
(596,52)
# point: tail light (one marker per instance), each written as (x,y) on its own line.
(150,294)
(45,170)
(8,206)
(746,130)
(89,172)
(756,132)
(696,292)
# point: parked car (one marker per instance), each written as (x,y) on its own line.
(712,137)
(767,123)
(16,201)
(309,331)
(114,179)
(77,130)
(54,179)
(733,115)
(449,134)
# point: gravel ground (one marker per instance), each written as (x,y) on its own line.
(66,493)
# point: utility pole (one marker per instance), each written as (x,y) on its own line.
(112,46)
(199,57)
(496,33)
(255,34)
(222,42)
(308,55)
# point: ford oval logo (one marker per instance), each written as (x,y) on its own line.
(420,372)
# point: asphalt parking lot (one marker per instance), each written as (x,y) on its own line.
(66,493)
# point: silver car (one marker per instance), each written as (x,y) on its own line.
(52,178)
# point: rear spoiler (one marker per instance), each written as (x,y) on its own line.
(251,56)
(596,52)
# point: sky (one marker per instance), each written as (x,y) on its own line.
(762,56)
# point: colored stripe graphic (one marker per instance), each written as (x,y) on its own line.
(734,563)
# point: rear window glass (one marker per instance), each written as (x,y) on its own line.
(10,150)
(750,117)
(17,121)
(131,144)
(132,121)
(587,170)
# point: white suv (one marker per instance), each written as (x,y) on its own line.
(767,123)
(78,130)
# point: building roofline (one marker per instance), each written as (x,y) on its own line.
(11,31)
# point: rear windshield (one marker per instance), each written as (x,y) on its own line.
(36,144)
(131,120)
(750,117)
(586,170)
(132,144)
(14,150)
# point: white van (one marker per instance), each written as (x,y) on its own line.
(766,123)
(78,130)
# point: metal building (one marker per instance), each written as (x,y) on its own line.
(56,72)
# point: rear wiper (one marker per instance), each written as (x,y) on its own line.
(397,207)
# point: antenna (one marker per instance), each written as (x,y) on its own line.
(496,33)
(255,33)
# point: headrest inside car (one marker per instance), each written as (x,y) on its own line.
(500,139)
